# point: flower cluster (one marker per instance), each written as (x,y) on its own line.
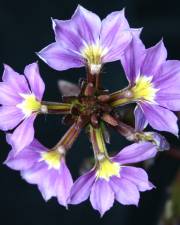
(86,40)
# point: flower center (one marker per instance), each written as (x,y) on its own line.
(52,158)
(93,54)
(144,89)
(107,169)
(29,104)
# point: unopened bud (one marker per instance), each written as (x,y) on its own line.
(104,98)
(89,91)
(109,119)
(94,121)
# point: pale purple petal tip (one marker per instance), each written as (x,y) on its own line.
(35,81)
(160,118)
(140,119)
(59,58)
(155,56)
(102,196)
(88,24)
(125,191)
(63,184)
(23,134)
(133,57)
(10,117)
(137,176)
(167,80)
(26,158)
(15,81)
(82,188)
(115,35)
(136,153)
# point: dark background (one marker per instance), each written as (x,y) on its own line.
(25,28)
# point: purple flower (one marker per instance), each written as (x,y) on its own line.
(85,40)
(111,179)
(156,138)
(153,83)
(45,168)
(21,101)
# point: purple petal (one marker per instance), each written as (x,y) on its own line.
(63,184)
(160,141)
(15,81)
(115,35)
(88,25)
(102,196)
(140,120)
(59,58)
(66,34)
(46,184)
(133,57)
(125,191)
(35,174)
(23,135)
(160,118)
(10,117)
(136,153)
(22,161)
(155,56)
(26,158)
(36,83)
(82,188)
(8,96)
(137,176)
(34,146)
(168,72)
(169,100)
(167,80)
(116,51)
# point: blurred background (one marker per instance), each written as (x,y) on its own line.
(25,28)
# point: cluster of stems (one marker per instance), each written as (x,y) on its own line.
(92,109)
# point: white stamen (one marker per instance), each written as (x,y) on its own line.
(44,109)
(100,156)
(130,137)
(128,94)
(95,68)
(61,150)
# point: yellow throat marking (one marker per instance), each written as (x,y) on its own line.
(93,53)
(29,104)
(144,89)
(107,169)
(52,158)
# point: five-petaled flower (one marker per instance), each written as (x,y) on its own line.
(85,40)
(21,101)
(111,178)
(45,168)
(153,83)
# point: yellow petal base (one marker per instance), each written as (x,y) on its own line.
(29,104)
(144,89)
(52,158)
(107,169)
